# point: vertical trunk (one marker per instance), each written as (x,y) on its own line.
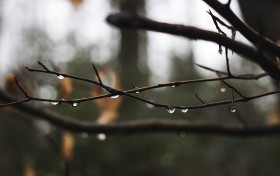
(129,55)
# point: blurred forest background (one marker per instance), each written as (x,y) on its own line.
(32,30)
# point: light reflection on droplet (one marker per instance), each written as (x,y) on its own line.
(137,92)
(173,85)
(170,110)
(75,104)
(233,109)
(223,89)
(150,106)
(60,77)
(54,103)
(115,96)
(101,136)
(184,110)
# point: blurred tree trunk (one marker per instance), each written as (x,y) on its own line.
(132,43)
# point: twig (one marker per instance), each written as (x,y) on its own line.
(21,89)
(97,74)
(241,77)
(227,63)
(233,88)
(145,126)
(42,65)
(203,102)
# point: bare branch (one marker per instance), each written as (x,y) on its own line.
(227,62)
(144,126)
(21,89)
(233,88)
(43,66)
(203,102)
(97,74)
(138,22)
(245,30)
(242,76)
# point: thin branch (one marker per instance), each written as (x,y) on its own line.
(203,102)
(138,22)
(14,102)
(43,66)
(145,126)
(97,74)
(227,63)
(114,92)
(233,88)
(215,20)
(21,89)
(241,77)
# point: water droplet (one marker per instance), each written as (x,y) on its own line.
(60,77)
(220,50)
(173,85)
(115,96)
(170,110)
(54,103)
(137,92)
(233,109)
(184,110)
(101,136)
(84,135)
(75,104)
(150,106)
(223,89)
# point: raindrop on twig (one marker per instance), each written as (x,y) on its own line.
(184,110)
(115,96)
(54,103)
(60,76)
(101,136)
(233,109)
(170,110)
(75,104)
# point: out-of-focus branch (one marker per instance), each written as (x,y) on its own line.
(144,126)
(137,22)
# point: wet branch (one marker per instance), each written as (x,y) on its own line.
(125,20)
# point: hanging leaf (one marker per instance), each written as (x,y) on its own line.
(67,146)
(66,88)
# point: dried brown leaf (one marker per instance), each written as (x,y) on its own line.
(66,88)
(67,146)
